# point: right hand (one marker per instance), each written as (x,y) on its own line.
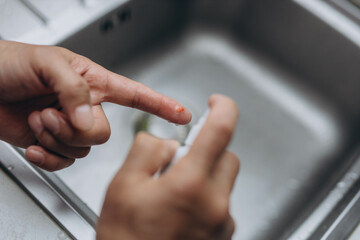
(50,102)
(189,201)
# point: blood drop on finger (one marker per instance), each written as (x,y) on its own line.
(179,109)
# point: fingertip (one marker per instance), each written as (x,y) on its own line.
(220,97)
(82,118)
(35,155)
(176,112)
(46,160)
(34,121)
(236,163)
(184,116)
(226,101)
(217,97)
(51,120)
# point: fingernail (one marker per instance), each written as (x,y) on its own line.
(84,117)
(37,157)
(37,126)
(54,123)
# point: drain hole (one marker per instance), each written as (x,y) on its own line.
(124,16)
(107,26)
(160,127)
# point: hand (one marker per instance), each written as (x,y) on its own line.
(50,102)
(190,201)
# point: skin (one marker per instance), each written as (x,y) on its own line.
(50,103)
(190,201)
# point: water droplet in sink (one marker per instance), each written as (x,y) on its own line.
(353,175)
(341,184)
(10,167)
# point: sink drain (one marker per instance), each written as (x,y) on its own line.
(160,127)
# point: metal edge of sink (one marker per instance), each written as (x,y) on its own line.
(328,218)
(337,214)
(56,199)
(325,222)
(60,28)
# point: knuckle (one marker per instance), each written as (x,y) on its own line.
(223,128)
(46,140)
(135,101)
(145,140)
(116,191)
(61,50)
(141,137)
(167,148)
(220,212)
(191,187)
(234,161)
(43,52)
(75,92)
(81,85)
(76,87)
(44,56)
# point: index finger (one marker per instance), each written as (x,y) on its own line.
(126,92)
(216,134)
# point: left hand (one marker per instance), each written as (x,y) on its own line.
(191,200)
(50,102)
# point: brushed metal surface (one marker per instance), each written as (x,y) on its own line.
(297,92)
(16,19)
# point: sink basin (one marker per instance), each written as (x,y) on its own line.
(294,77)
(297,90)
(287,136)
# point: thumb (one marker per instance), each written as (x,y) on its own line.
(148,154)
(72,90)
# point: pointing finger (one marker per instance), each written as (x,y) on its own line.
(124,91)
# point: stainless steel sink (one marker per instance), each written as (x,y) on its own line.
(294,75)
